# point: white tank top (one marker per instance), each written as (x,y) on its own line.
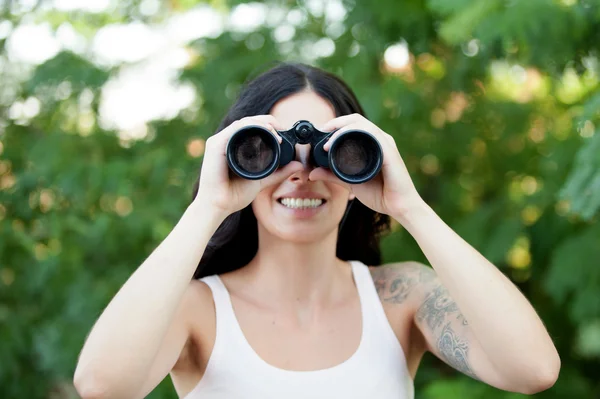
(377,368)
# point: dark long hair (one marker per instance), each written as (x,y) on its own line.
(235,242)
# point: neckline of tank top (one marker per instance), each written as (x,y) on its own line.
(329,372)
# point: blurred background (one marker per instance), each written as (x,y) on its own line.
(105,107)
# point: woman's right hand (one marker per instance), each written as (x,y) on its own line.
(225,192)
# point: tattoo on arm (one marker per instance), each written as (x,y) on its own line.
(455,350)
(395,283)
(437,307)
(439,312)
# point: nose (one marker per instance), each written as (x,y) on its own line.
(303,156)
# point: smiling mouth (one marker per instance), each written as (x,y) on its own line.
(301,203)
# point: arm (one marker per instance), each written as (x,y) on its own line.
(149,311)
(504,343)
(473,317)
(143,329)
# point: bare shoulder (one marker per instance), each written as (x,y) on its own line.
(198,306)
(199,290)
(197,300)
(398,283)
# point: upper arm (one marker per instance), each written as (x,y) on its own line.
(175,339)
(447,333)
(444,330)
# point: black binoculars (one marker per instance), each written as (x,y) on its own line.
(254,153)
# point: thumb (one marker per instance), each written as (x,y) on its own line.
(281,174)
(326,175)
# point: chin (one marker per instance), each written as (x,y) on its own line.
(301,234)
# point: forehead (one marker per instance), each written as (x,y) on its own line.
(305,105)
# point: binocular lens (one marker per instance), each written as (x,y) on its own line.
(253,151)
(356,156)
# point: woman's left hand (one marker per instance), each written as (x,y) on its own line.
(392,191)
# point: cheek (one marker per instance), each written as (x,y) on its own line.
(338,201)
(262,203)
(339,193)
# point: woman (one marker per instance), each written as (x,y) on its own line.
(286,306)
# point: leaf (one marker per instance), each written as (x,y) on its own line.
(447,8)
(574,276)
(460,26)
(582,187)
(501,239)
(67,67)
(588,339)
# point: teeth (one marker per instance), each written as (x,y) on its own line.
(299,203)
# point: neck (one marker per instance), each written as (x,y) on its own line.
(297,273)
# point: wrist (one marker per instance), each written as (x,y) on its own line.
(200,209)
(412,212)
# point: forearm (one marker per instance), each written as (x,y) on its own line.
(126,337)
(502,320)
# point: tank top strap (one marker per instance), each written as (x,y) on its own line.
(374,315)
(225,317)
(366,286)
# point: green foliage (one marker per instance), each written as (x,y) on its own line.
(458,389)
(496,115)
(571,280)
(66,67)
(582,188)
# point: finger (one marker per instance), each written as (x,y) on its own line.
(266,121)
(326,175)
(224,135)
(270,119)
(340,122)
(270,122)
(339,132)
(281,174)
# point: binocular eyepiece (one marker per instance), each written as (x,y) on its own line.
(254,153)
